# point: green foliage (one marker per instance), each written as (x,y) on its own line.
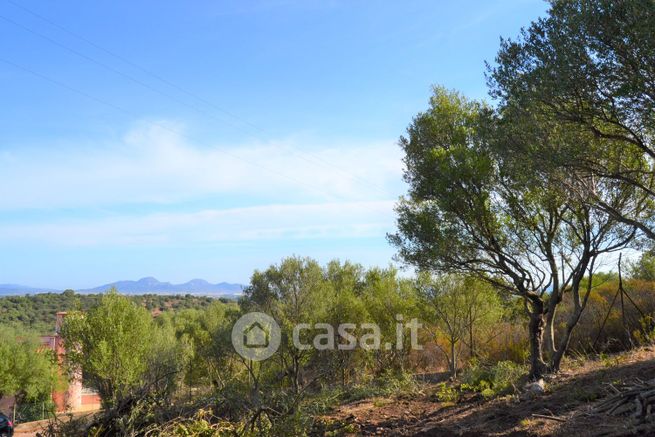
(644,268)
(386,387)
(577,68)
(645,335)
(200,425)
(524,197)
(118,348)
(26,372)
(342,300)
(624,327)
(462,310)
(447,393)
(28,411)
(184,360)
(389,299)
(291,293)
(36,313)
(491,380)
(478,204)
(206,335)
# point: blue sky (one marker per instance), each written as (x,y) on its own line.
(210,138)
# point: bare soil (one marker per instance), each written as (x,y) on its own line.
(568,406)
(33,429)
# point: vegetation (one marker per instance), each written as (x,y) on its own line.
(114,345)
(179,372)
(464,310)
(27,372)
(475,209)
(587,68)
(36,313)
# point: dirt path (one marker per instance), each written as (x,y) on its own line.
(567,404)
(30,429)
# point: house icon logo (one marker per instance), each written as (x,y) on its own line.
(256,336)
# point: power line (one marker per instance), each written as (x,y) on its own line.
(307,157)
(133,64)
(103,65)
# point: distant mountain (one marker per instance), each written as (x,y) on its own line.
(15,289)
(152,285)
(143,285)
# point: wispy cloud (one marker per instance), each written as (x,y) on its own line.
(155,164)
(269,222)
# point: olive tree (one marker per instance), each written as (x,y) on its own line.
(473,208)
(589,66)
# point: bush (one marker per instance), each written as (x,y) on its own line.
(35,410)
(506,376)
(447,393)
(492,380)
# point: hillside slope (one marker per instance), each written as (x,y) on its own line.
(567,407)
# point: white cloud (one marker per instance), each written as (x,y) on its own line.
(156,163)
(269,222)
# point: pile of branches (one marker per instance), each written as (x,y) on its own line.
(636,399)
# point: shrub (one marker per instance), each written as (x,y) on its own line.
(447,393)
(499,378)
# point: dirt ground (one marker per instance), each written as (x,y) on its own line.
(568,405)
(32,429)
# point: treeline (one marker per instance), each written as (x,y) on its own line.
(150,370)
(36,313)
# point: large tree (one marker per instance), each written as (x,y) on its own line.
(474,208)
(590,64)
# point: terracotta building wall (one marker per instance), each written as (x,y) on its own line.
(71,398)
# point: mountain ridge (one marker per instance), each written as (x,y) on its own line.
(146,284)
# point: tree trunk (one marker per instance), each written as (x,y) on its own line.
(536,331)
(564,344)
(551,349)
(296,374)
(471,346)
(553,301)
(453,359)
(578,307)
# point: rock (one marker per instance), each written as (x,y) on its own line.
(536,388)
